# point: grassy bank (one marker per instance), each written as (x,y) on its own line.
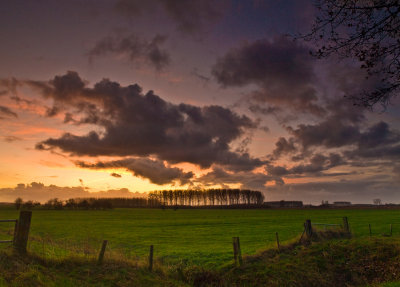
(335,262)
(354,262)
(34,271)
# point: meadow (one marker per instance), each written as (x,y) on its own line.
(184,236)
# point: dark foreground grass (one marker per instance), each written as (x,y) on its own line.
(33,271)
(354,262)
(186,236)
(327,262)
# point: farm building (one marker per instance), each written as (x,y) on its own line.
(342,203)
(284,203)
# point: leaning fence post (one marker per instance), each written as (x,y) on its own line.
(308,228)
(239,251)
(369,226)
(151,258)
(346,225)
(277,240)
(22,234)
(102,251)
(235,250)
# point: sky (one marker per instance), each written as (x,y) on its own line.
(124,96)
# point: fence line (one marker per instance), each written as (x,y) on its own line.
(15,229)
(8,220)
(326,224)
(21,233)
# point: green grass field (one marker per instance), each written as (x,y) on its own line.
(192,236)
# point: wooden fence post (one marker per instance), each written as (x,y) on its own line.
(277,240)
(346,225)
(22,234)
(235,250)
(151,258)
(304,231)
(369,226)
(102,251)
(391,230)
(15,231)
(239,251)
(308,228)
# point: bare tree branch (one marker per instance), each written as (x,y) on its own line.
(367,31)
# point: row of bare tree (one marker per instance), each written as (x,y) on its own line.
(207,197)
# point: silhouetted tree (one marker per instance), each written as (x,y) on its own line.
(367,31)
(71,203)
(18,203)
(165,197)
(54,203)
(259,198)
(28,204)
(84,204)
(377,201)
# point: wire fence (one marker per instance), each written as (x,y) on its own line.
(10,232)
(49,248)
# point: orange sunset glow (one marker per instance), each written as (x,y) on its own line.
(95,99)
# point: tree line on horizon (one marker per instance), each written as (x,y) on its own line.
(83,203)
(188,198)
(207,197)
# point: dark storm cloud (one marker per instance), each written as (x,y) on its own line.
(377,142)
(137,124)
(137,50)
(6,112)
(334,134)
(378,135)
(154,170)
(382,152)
(284,146)
(247,180)
(263,61)
(341,126)
(282,69)
(345,131)
(327,133)
(189,16)
(340,109)
(314,167)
